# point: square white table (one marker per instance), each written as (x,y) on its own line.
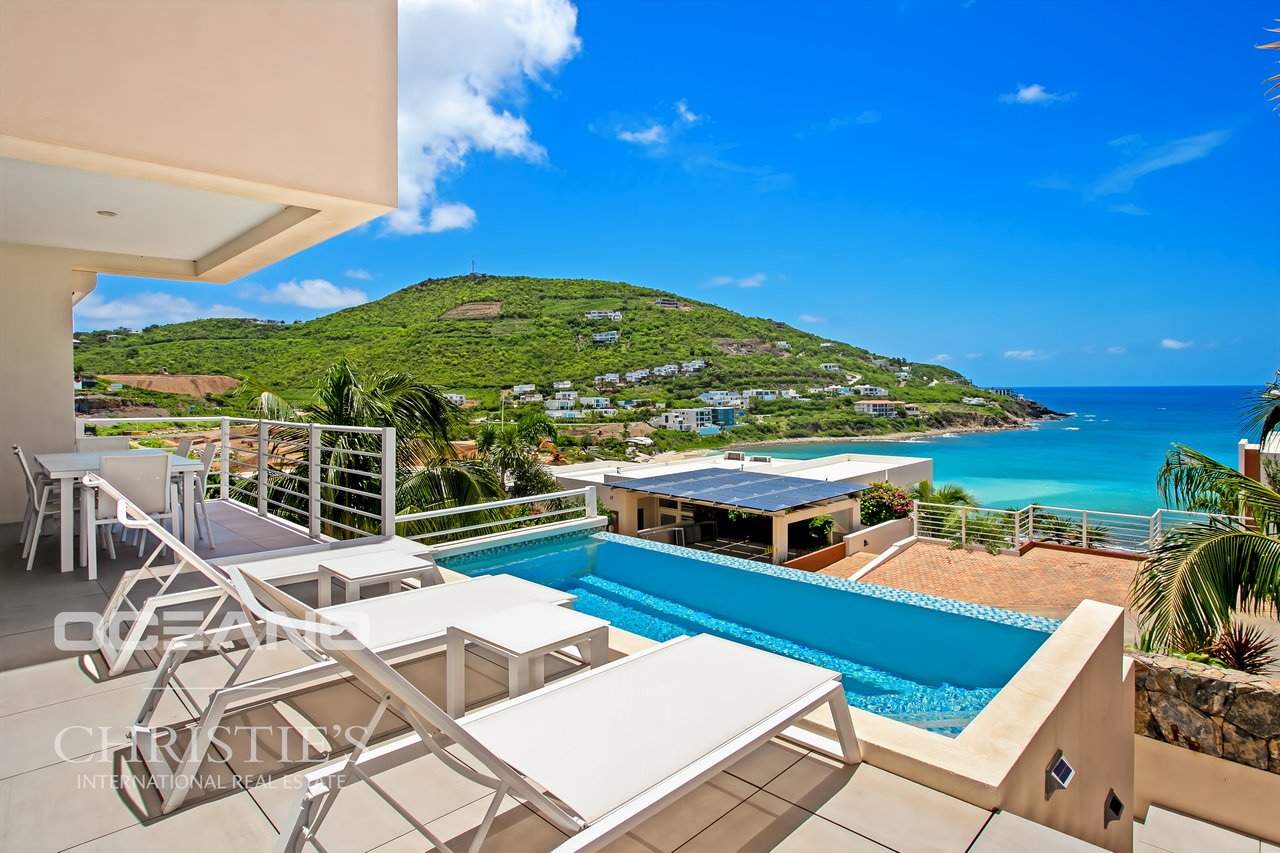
(524,635)
(389,567)
(68,468)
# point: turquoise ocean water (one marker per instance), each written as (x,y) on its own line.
(1104,457)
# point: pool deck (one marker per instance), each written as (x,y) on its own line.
(93,795)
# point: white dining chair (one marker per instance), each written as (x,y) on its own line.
(146,480)
(205,531)
(101,443)
(42,505)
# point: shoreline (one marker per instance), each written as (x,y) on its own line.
(902,437)
(898,437)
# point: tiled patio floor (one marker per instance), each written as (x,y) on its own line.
(68,780)
(1039,581)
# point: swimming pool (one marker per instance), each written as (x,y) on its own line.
(931,662)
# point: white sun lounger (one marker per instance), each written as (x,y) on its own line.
(595,753)
(401,626)
(125,622)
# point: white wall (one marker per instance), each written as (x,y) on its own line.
(38,288)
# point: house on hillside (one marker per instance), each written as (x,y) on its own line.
(607,379)
(531,398)
(885,408)
(870,391)
(667,370)
(593,402)
(974,401)
(692,366)
(781,345)
(566,415)
(826,345)
(566,395)
(830,366)
(761,394)
(603,315)
(562,385)
(637,375)
(456,399)
(527,388)
(559,405)
(609,337)
(666,302)
(723,398)
(700,421)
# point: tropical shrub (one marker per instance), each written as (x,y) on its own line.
(883,502)
(1246,648)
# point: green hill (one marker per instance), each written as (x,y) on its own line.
(477,334)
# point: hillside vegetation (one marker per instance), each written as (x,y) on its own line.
(478,334)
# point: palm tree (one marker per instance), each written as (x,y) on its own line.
(1201,573)
(952,494)
(511,450)
(429,474)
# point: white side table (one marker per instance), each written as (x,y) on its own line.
(524,635)
(389,567)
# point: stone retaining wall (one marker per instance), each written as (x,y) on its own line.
(1223,713)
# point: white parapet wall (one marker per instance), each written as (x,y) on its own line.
(878,538)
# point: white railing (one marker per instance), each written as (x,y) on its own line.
(335,481)
(497,516)
(1008,529)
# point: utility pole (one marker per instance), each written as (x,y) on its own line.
(473,267)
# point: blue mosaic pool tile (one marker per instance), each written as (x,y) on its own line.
(902,596)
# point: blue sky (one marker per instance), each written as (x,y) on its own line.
(1036,193)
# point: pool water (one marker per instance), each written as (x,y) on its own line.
(926,661)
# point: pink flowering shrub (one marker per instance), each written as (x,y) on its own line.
(884,502)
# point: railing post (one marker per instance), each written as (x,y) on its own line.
(262,467)
(964,525)
(224,459)
(1153,527)
(313,480)
(1084,528)
(590,498)
(1031,524)
(388,481)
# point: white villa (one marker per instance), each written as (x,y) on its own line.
(267,658)
(667,370)
(456,399)
(637,375)
(603,315)
(692,366)
(830,366)
(593,402)
(974,401)
(609,337)
(607,379)
(562,385)
(566,395)
(870,391)
(885,408)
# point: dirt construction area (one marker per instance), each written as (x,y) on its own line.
(193,385)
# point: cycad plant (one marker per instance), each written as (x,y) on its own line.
(1201,573)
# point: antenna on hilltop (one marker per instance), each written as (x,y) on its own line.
(473,267)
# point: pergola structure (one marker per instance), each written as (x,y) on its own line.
(786,500)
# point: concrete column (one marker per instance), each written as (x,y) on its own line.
(627,505)
(845,521)
(781,528)
(39,288)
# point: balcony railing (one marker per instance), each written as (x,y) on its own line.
(1009,530)
(484,519)
(333,481)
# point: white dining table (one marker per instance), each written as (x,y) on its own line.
(69,468)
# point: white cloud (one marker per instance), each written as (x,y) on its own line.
(449,217)
(458,60)
(655,134)
(1172,343)
(1034,94)
(1125,141)
(756,280)
(940,357)
(687,115)
(311,293)
(362,275)
(1026,354)
(1116,350)
(1174,153)
(973,355)
(148,308)
(812,318)
(1129,208)
(867,117)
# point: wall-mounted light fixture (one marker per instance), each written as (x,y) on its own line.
(1112,809)
(1058,775)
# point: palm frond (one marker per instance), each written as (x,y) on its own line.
(1198,574)
(1262,411)
(1191,480)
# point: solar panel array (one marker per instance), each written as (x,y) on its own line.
(743,489)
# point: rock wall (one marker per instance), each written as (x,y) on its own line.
(1223,713)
